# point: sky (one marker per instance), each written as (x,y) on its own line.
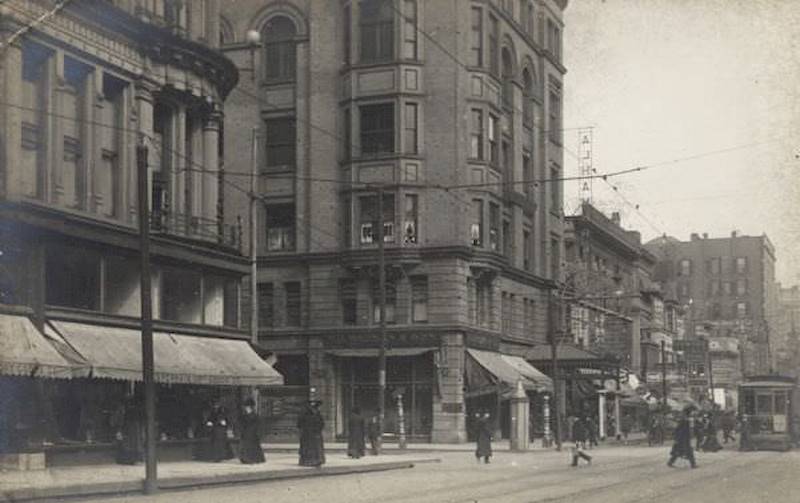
(703,93)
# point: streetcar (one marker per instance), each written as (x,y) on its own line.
(767,409)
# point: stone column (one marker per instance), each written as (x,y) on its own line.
(601,413)
(520,410)
(211,167)
(547,439)
(617,431)
(10,129)
(449,421)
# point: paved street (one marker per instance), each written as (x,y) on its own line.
(617,475)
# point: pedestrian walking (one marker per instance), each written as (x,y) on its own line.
(682,440)
(728,424)
(128,422)
(250,451)
(483,436)
(356,427)
(374,434)
(310,425)
(710,440)
(744,433)
(699,431)
(579,435)
(591,429)
(625,426)
(220,444)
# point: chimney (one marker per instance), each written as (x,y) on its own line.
(733,234)
(616,218)
(705,235)
(694,236)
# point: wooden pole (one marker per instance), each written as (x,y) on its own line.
(382,325)
(253,240)
(151,477)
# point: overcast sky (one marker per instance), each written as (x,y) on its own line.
(714,81)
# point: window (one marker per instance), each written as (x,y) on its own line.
(368,218)
(347,35)
(494,153)
(347,138)
(181,298)
(527,98)
(714,288)
(507,239)
(419,299)
(280,144)
(741,309)
(713,265)
(527,250)
(410,129)
(476,226)
(34,71)
(553,39)
(508,164)
(494,227)
(377,31)
(107,175)
(72,104)
(410,29)
(508,79)
(266,305)
(72,277)
(555,193)
(527,175)
(293,303)
(410,219)
(377,129)
(494,40)
(529,16)
(727,288)
(476,134)
(278,36)
(555,258)
(741,286)
(280,222)
(391,302)
(482,302)
(741,265)
(685,267)
(476,47)
(554,127)
(348,296)
(505,311)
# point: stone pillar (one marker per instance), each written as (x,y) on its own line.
(601,413)
(449,420)
(211,166)
(617,431)
(520,411)
(10,129)
(547,439)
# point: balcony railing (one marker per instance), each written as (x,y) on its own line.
(193,227)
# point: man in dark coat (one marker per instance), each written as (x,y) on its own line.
(374,434)
(682,446)
(220,446)
(591,430)
(356,426)
(250,451)
(710,442)
(483,437)
(310,423)
(579,435)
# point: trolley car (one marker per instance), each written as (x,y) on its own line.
(766,407)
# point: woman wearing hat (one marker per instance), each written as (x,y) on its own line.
(310,423)
(250,451)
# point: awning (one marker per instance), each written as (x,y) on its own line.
(373,352)
(116,353)
(24,351)
(508,370)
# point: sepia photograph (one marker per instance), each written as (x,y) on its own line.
(400,251)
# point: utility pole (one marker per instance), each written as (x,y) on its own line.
(710,370)
(151,477)
(253,240)
(664,374)
(554,362)
(382,325)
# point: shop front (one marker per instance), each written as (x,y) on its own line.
(76,416)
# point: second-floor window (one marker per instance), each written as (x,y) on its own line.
(369,217)
(377,129)
(280,221)
(280,141)
(280,62)
(377,31)
(391,302)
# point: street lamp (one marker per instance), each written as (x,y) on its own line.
(253,38)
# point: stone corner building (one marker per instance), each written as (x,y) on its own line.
(455,109)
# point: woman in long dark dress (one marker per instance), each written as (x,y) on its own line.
(220,448)
(483,436)
(250,451)
(682,446)
(310,424)
(355,434)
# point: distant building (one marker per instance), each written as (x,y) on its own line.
(727,286)
(786,341)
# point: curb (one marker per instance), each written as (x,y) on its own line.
(175,483)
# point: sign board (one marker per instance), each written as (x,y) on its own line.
(779,423)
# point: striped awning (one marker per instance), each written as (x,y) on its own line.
(25,351)
(116,353)
(509,370)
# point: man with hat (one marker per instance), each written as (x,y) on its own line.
(682,448)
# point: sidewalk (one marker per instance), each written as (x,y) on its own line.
(94,480)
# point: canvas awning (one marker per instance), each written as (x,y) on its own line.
(373,352)
(24,351)
(115,353)
(508,370)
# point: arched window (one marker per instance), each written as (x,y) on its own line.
(280,64)
(527,97)
(508,76)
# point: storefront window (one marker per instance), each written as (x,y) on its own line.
(73,278)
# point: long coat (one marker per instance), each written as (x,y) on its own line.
(250,451)
(682,446)
(312,450)
(219,447)
(579,433)
(355,435)
(483,435)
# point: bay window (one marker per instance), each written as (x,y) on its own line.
(376,27)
